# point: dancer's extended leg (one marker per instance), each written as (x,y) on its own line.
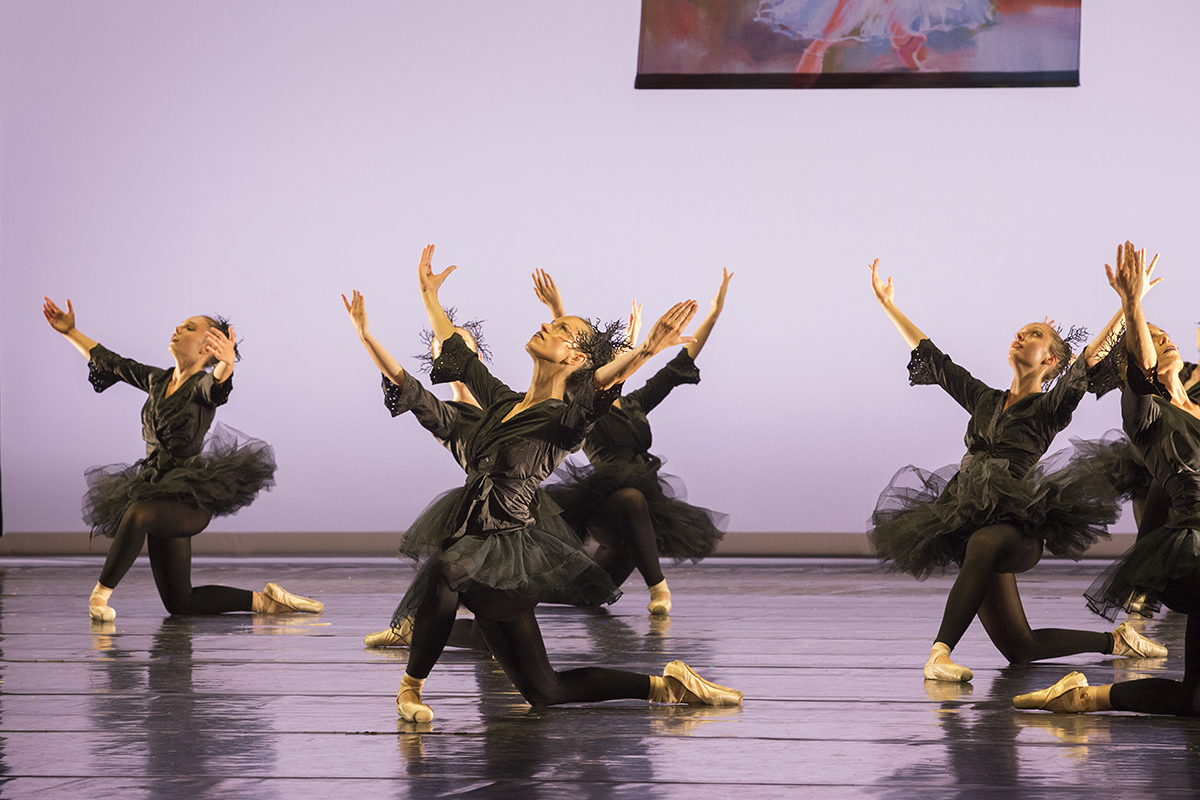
(171,563)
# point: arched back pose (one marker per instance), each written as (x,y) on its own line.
(1163,423)
(182,483)
(1000,510)
(495,558)
(621,501)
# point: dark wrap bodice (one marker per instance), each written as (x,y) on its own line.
(1020,434)
(173,427)
(622,436)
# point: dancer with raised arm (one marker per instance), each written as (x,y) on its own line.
(1163,423)
(635,514)
(495,558)
(183,482)
(999,510)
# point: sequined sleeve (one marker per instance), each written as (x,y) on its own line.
(929,365)
(106,368)
(679,370)
(458,362)
(435,416)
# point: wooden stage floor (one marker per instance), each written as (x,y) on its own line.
(828,653)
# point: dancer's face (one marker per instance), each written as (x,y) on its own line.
(1168,353)
(1031,346)
(555,342)
(189,338)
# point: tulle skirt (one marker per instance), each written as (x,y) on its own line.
(222,479)
(1150,567)
(545,558)
(924,519)
(681,530)
(863,20)
(1115,459)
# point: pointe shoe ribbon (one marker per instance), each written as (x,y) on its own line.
(686,686)
(391,637)
(945,670)
(1128,642)
(1043,697)
(293,601)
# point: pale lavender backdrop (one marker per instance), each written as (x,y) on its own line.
(256,159)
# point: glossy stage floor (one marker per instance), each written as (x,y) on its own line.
(828,654)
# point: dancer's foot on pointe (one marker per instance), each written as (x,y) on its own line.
(939,667)
(98,608)
(660,599)
(275,600)
(408,700)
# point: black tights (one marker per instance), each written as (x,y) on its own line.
(1160,695)
(510,629)
(987,586)
(623,529)
(169,526)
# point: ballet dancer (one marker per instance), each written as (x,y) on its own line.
(621,501)
(170,495)
(999,511)
(1163,423)
(496,557)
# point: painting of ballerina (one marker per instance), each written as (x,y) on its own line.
(764,44)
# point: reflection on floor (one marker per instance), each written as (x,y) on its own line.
(829,654)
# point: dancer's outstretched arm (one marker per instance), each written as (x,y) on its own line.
(356,307)
(706,325)
(64,323)
(1128,279)
(667,332)
(886,295)
(430,283)
(1097,349)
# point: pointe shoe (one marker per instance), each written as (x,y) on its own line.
(102,613)
(945,670)
(292,602)
(391,637)
(1070,700)
(1128,642)
(410,707)
(686,686)
(660,599)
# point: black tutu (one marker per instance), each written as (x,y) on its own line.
(1114,459)
(924,519)
(545,558)
(222,479)
(681,530)
(1155,560)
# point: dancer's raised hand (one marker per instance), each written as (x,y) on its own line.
(61,321)
(356,307)
(634,326)
(546,291)
(430,281)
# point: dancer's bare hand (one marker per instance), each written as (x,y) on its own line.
(667,332)
(356,307)
(885,293)
(61,321)
(430,281)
